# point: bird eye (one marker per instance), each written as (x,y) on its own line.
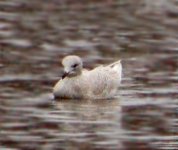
(75,65)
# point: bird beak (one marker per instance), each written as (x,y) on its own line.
(65,74)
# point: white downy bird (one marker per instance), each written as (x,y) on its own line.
(77,83)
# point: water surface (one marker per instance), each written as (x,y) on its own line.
(36,35)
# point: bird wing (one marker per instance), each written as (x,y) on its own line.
(103,80)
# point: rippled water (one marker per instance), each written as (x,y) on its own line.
(35,35)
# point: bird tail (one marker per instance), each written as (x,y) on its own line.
(117,66)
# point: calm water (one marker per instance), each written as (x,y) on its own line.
(36,35)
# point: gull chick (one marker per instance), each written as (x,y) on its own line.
(76,82)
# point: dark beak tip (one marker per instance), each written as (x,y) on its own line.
(64,75)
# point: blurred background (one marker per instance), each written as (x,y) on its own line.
(35,35)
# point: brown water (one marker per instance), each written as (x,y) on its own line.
(35,35)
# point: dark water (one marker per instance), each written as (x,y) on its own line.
(35,35)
